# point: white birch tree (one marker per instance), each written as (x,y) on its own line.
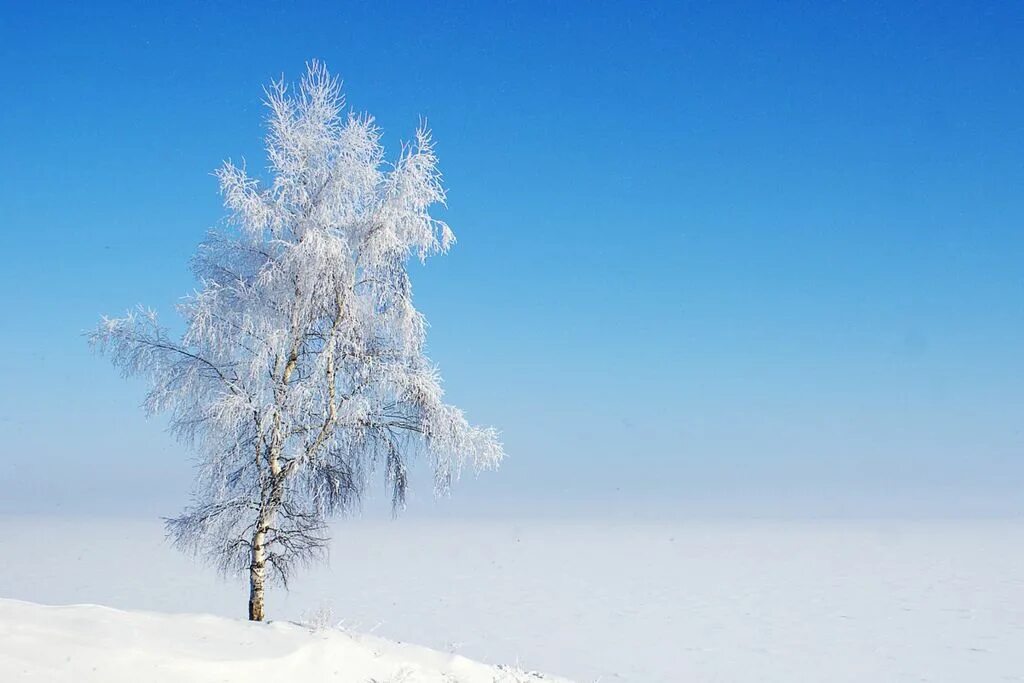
(301,369)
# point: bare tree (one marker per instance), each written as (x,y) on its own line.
(302,368)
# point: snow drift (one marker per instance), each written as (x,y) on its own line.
(93,644)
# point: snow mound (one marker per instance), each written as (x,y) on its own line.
(93,644)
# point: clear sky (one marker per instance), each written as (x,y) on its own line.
(719,256)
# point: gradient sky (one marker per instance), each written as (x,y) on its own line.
(734,256)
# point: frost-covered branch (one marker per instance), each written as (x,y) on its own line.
(301,369)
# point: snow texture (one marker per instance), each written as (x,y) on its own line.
(93,644)
(646,602)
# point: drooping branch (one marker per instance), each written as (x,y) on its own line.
(302,368)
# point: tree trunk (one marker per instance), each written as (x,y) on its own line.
(257,575)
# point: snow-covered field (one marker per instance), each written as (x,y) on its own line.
(93,644)
(785,601)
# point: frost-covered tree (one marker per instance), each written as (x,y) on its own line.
(301,369)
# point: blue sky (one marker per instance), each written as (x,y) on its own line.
(712,256)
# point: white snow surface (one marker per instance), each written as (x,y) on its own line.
(645,601)
(93,644)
